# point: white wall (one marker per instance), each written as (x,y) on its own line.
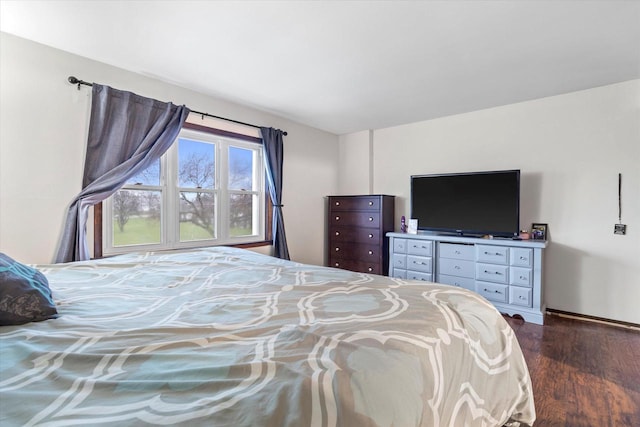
(354,164)
(570,149)
(43,127)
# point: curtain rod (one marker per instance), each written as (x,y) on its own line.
(73,80)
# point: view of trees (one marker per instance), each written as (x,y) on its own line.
(196,177)
(125,204)
(197,171)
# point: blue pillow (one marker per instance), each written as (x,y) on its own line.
(24,294)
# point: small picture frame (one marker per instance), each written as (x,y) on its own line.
(413,226)
(539,231)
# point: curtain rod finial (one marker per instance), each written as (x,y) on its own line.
(73,80)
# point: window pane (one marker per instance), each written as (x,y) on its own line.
(241,215)
(241,161)
(136,217)
(149,176)
(197,215)
(196,164)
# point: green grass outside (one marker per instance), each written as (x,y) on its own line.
(139,230)
(190,231)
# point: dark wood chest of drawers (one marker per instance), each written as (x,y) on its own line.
(356,227)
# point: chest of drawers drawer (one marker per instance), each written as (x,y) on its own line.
(520,296)
(399,246)
(493,291)
(417,275)
(361,266)
(419,247)
(356,251)
(519,276)
(456,267)
(358,219)
(461,282)
(521,257)
(463,252)
(420,263)
(362,203)
(355,234)
(493,273)
(399,261)
(492,254)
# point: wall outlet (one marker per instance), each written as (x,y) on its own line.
(620,229)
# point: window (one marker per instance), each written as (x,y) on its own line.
(207,189)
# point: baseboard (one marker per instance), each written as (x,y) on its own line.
(610,322)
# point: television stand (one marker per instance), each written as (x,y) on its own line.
(506,272)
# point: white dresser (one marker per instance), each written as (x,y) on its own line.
(506,272)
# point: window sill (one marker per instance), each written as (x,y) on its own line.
(252,244)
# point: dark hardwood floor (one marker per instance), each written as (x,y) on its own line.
(583,373)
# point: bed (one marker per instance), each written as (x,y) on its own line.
(229,337)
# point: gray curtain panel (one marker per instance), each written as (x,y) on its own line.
(274,156)
(127,133)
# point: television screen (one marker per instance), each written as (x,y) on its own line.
(475,203)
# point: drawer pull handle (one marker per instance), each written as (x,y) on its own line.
(371,236)
(337,233)
(523,258)
(370,203)
(370,269)
(523,278)
(370,219)
(521,297)
(420,263)
(457,267)
(337,249)
(490,253)
(493,272)
(370,252)
(337,264)
(495,291)
(337,203)
(337,218)
(457,252)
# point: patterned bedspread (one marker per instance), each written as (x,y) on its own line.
(229,337)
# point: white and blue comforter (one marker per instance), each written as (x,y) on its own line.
(228,337)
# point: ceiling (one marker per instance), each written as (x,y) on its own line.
(346,66)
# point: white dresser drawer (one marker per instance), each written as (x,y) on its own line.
(520,276)
(492,254)
(450,250)
(399,273)
(456,267)
(461,282)
(419,247)
(492,291)
(416,275)
(400,246)
(420,263)
(493,273)
(520,296)
(399,260)
(521,257)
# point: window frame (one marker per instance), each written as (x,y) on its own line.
(100,212)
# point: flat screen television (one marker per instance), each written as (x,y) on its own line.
(473,203)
